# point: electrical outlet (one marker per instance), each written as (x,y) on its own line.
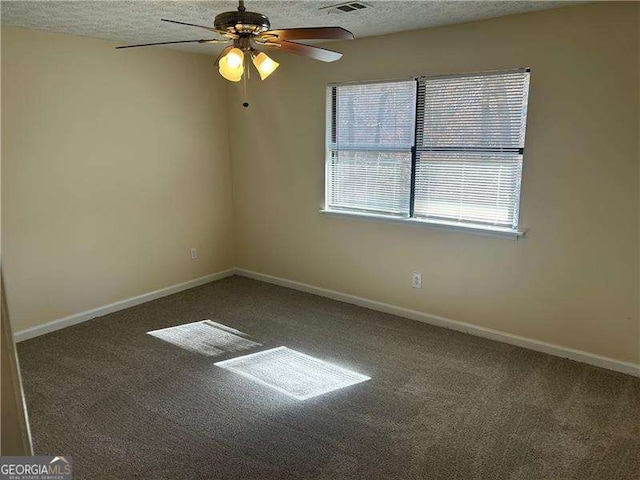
(416,280)
(194,253)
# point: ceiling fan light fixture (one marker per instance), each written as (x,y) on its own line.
(250,29)
(264,64)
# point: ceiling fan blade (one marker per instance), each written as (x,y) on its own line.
(211,29)
(168,43)
(222,54)
(311,33)
(316,53)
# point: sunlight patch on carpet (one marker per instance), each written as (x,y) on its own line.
(206,337)
(293,373)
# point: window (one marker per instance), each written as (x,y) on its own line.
(441,150)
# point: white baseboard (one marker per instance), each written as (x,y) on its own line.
(557,350)
(54,325)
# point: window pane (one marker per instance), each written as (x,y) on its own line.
(468,187)
(474,111)
(369,181)
(375,115)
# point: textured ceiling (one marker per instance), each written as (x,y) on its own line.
(139,21)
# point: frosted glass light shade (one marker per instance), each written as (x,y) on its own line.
(231,66)
(265,65)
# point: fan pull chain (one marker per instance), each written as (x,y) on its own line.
(244,81)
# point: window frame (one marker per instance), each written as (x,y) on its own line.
(410,219)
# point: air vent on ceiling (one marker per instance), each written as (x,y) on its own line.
(345,7)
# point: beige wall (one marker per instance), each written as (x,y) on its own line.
(114,164)
(572,281)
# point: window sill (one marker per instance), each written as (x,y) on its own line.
(439,225)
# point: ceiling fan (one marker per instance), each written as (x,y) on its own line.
(248,30)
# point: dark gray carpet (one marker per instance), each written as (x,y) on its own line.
(439,405)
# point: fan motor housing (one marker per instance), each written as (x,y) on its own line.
(242,22)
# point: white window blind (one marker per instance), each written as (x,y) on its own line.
(370,135)
(470,133)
